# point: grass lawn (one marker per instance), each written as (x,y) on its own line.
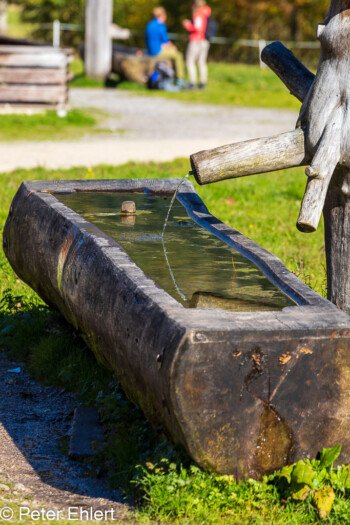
(168,486)
(229,84)
(234,85)
(50,126)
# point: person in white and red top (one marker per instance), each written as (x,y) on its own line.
(198,47)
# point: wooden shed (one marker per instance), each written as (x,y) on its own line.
(32,73)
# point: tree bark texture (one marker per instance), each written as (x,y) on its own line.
(98,43)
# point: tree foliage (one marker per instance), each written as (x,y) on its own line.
(42,12)
(266,19)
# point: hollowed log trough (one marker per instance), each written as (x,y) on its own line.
(243,392)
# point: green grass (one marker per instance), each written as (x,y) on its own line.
(167,486)
(49,126)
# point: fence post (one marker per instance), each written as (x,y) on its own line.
(56,34)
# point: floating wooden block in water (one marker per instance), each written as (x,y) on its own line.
(245,392)
(128,208)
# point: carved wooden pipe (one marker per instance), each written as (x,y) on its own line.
(250,157)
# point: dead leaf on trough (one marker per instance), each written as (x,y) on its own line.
(257,359)
(306,350)
(285,358)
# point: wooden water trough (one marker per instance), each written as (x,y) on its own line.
(33,74)
(243,392)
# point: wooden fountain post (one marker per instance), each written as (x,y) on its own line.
(321,141)
(98,41)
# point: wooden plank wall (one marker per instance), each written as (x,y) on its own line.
(34,75)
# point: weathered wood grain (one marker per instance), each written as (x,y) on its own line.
(250,157)
(98,42)
(244,392)
(17,75)
(337,227)
(33,94)
(34,74)
(325,116)
(44,60)
(289,69)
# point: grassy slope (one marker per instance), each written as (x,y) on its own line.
(47,126)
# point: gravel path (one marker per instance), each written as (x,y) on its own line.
(34,420)
(150,128)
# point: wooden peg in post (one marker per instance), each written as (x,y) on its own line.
(297,78)
(320,173)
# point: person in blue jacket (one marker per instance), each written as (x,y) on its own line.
(158,42)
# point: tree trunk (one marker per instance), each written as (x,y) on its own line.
(3,17)
(98,42)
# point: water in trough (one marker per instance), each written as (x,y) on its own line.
(204,271)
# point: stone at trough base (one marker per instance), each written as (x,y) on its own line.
(87,433)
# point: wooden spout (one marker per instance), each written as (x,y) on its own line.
(250,157)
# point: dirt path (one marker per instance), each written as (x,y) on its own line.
(144,129)
(34,422)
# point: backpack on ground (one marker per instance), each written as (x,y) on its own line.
(211,30)
(161,76)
